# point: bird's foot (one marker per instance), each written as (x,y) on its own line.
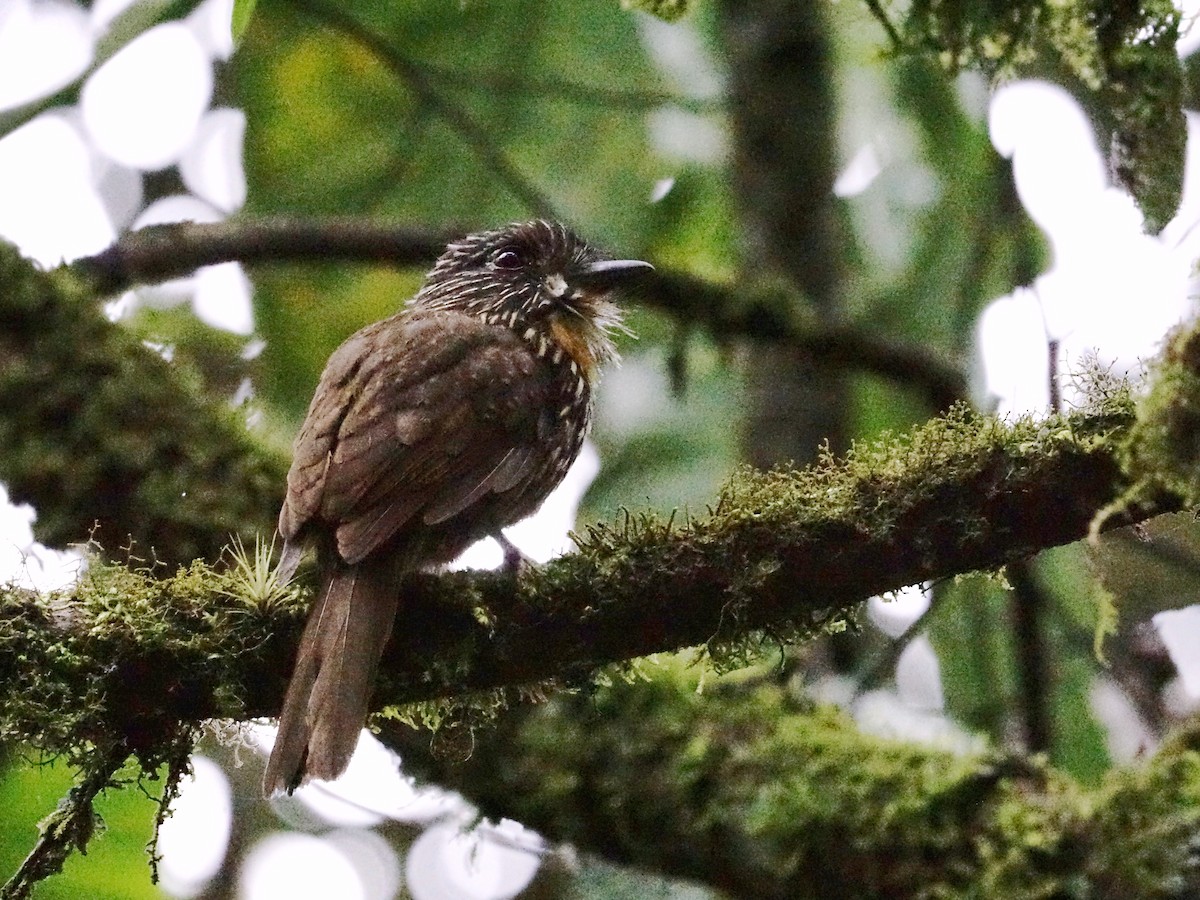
(515,562)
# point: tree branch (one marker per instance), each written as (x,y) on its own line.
(885,21)
(747,790)
(129,658)
(792,551)
(780,549)
(105,440)
(724,311)
(772,316)
(788,550)
(161,252)
(1028,602)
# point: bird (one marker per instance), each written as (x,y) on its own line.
(429,430)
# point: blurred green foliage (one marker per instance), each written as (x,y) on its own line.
(115,867)
(972,632)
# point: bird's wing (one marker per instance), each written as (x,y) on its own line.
(416,419)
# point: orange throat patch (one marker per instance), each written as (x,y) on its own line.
(570,338)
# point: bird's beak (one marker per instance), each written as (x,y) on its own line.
(609,273)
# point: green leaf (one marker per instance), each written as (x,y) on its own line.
(243,11)
(1154,568)
(972,638)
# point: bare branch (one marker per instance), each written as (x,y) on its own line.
(725,311)
(161,252)
(729,311)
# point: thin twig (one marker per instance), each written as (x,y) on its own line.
(1052,348)
(471,132)
(882,665)
(881,16)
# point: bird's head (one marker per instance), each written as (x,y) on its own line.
(539,279)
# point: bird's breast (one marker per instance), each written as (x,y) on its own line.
(567,417)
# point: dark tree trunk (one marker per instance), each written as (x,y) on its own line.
(785,161)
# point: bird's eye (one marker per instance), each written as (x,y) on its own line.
(508,258)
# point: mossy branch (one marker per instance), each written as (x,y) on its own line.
(750,790)
(104,438)
(131,659)
(1119,59)
(132,654)
(98,427)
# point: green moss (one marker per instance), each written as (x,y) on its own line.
(873,494)
(128,664)
(1140,101)
(1164,449)
(1146,827)
(130,653)
(668,10)
(98,432)
(749,789)
(132,659)
(129,658)
(767,796)
(1119,59)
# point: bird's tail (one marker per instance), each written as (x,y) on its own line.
(327,699)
